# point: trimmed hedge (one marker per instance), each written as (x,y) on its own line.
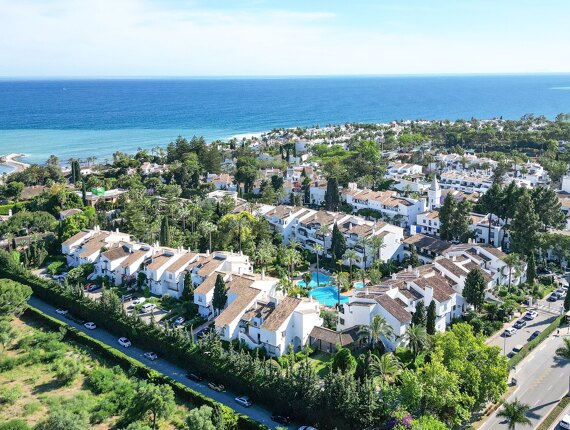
(142,371)
(529,346)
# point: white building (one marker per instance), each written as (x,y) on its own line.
(85,247)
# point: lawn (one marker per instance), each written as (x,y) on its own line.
(320,361)
(35,380)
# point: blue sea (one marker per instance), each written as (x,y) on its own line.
(80,118)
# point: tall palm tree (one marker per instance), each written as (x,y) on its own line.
(318,249)
(351,256)
(377,244)
(378,329)
(324,232)
(341,282)
(292,258)
(387,367)
(364,242)
(207,228)
(512,261)
(265,254)
(240,223)
(515,413)
(417,338)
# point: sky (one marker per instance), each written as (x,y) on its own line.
(98,38)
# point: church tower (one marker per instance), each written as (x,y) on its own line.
(434,195)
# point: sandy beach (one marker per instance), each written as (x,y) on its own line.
(11,160)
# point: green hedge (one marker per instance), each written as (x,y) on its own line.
(241,422)
(529,346)
(16,207)
(554,414)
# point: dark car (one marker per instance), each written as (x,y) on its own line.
(194,377)
(280,419)
(534,335)
(520,324)
(553,297)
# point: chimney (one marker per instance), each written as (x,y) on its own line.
(207,252)
(409,269)
(453,258)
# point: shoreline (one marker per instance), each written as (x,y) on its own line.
(11,160)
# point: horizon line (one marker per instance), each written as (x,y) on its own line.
(300,76)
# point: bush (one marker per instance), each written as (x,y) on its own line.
(9,395)
(66,370)
(55,267)
(14,425)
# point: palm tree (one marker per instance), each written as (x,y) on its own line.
(318,249)
(292,258)
(378,329)
(324,232)
(364,242)
(341,282)
(387,367)
(240,223)
(207,228)
(265,254)
(515,413)
(417,338)
(512,261)
(351,256)
(377,244)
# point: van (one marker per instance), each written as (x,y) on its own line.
(147,307)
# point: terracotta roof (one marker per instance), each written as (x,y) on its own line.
(259,310)
(76,237)
(391,306)
(159,261)
(210,267)
(181,262)
(139,254)
(208,284)
(344,338)
(426,243)
(442,291)
(245,295)
(93,244)
(284,309)
(116,253)
(451,267)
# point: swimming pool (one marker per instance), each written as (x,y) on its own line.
(323,280)
(359,284)
(327,296)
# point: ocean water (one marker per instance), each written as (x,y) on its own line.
(81,118)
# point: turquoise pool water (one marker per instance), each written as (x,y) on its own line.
(327,296)
(323,280)
(359,284)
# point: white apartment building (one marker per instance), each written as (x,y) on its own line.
(85,246)
(399,170)
(399,210)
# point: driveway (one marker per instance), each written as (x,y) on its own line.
(256,412)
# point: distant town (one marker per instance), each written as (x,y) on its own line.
(339,276)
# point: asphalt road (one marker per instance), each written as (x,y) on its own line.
(227,398)
(543,379)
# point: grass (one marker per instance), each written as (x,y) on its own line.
(320,361)
(554,414)
(31,388)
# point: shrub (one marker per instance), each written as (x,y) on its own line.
(9,395)
(14,425)
(55,267)
(67,370)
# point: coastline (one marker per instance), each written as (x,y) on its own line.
(11,160)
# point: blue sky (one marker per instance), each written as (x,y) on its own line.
(293,37)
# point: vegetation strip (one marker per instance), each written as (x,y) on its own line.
(554,414)
(127,363)
(528,347)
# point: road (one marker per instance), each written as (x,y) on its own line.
(256,412)
(543,379)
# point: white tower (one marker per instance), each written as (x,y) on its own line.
(434,195)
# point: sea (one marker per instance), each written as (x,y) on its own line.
(79,118)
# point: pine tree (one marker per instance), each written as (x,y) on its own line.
(446,213)
(550,213)
(164,232)
(531,269)
(188,291)
(84,193)
(524,228)
(431,316)
(419,316)
(338,243)
(474,289)
(220,294)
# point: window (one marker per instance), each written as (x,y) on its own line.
(200,299)
(341,320)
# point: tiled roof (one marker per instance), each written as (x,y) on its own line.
(116,253)
(284,309)
(392,307)
(76,237)
(344,338)
(181,262)
(210,267)
(159,261)
(208,284)
(442,291)
(134,257)
(426,243)
(451,267)
(93,244)
(245,295)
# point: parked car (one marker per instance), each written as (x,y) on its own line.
(147,307)
(565,422)
(517,348)
(280,419)
(534,335)
(179,321)
(126,298)
(530,315)
(124,342)
(307,428)
(561,292)
(194,377)
(150,356)
(216,387)
(90,325)
(92,287)
(553,297)
(509,332)
(138,301)
(61,311)
(520,324)
(244,401)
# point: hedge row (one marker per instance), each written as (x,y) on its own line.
(241,422)
(554,414)
(529,346)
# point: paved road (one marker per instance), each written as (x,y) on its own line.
(542,381)
(257,413)
(555,425)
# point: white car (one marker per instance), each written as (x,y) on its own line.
(90,325)
(509,331)
(150,355)
(530,315)
(138,301)
(244,401)
(123,341)
(61,311)
(565,422)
